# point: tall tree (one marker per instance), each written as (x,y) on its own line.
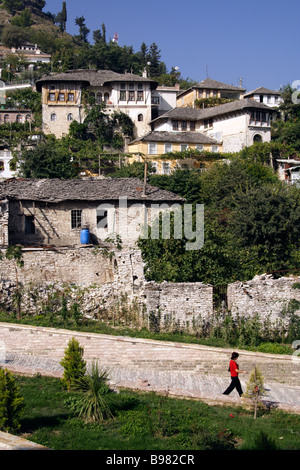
(61,18)
(83,30)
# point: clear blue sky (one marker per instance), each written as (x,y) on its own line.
(256,41)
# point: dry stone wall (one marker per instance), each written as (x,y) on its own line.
(105,282)
(263,296)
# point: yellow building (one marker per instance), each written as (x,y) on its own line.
(159,148)
(208,88)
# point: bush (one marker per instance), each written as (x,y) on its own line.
(11,402)
(73,363)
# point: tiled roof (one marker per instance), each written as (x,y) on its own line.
(262,90)
(180,137)
(92,78)
(104,189)
(206,113)
(210,84)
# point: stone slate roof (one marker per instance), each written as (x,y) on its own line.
(92,189)
(262,90)
(180,137)
(211,84)
(93,78)
(206,113)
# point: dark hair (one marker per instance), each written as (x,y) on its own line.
(234,355)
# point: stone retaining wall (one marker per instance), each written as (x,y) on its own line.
(263,296)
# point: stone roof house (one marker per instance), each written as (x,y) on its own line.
(208,88)
(62,97)
(43,212)
(235,125)
(264,95)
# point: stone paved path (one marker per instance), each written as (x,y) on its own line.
(185,370)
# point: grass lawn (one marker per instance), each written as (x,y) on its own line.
(147,421)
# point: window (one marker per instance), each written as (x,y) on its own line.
(19,118)
(70,117)
(214,148)
(200,147)
(183,147)
(153,167)
(106,97)
(155,100)
(140,117)
(131,96)
(28,118)
(257,138)
(53,117)
(99,98)
(6,118)
(168,148)
(102,218)
(152,148)
(166,169)
(183,125)
(140,96)
(131,86)
(51,96)
(175,125)
(76,215)
(61,97)
(122,95)
(140,86)
(192,126)
(70,96)
(208,123)
(29,225)
(1,165)
(269,99)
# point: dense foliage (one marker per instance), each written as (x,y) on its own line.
(251,225)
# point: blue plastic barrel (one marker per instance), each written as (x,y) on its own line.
(85,236)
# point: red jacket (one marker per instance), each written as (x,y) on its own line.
(232,367)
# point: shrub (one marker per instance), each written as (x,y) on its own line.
(11,402)
(73,363)
(93,406)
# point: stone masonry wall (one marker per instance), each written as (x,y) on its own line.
(102,280)
(263,295)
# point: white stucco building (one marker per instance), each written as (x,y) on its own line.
(62,98)
(236,125)
(263,95)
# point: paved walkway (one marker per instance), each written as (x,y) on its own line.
(184,370)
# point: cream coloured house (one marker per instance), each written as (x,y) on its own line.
(208,88)
(235,125)
(62,98)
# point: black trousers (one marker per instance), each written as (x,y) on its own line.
(235,383)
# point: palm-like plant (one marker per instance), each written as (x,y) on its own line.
(94,385)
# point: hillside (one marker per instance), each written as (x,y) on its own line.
(41,29)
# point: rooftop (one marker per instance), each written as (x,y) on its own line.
(200,114)
(181,137)
(262,90)
(92,189)
(211,84)
(92,78)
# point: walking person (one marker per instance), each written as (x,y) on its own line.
(234,372)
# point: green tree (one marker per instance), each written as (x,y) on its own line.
(11,403)
(12,6)
(23,19)
(13,36)
(73,364)
(50,159)
(83,30)
(61,18)
(255,388)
